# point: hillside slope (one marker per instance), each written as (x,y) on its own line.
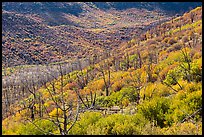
(153,87)
(76,8)
(45,32)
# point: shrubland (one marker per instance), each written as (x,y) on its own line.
(156,92)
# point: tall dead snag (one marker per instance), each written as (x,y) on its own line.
(137,84)
(88,99)
(68,105)
(6,96)
(65,109)
(139,59)
(116,62)
(82,79)
(30,85)
(149,67)
(127,61)
(134,61)
(195,40)
(103,68)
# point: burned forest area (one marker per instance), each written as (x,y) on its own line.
(101,68)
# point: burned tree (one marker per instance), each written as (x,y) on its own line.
(66,109)
(104,68)
(139,59)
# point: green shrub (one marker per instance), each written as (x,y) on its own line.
(86,119)
(31,129)
(183,105)
(118,124)
(173,76)
(118,98)
(155,110)
(193,86)
(196,72)
(194,101)
(130,93)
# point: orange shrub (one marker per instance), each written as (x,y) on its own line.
(117,86)
(71,85)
